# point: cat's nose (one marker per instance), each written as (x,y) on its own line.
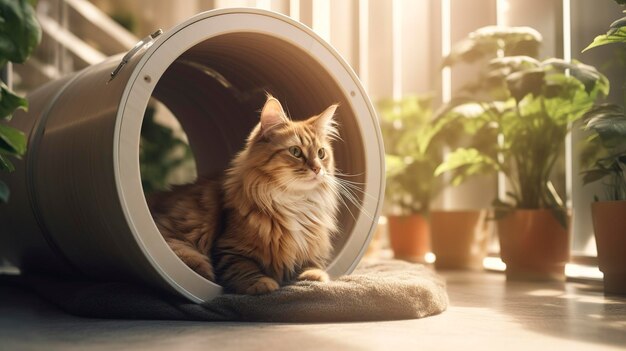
(315,169)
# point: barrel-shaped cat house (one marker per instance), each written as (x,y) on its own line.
(77,205)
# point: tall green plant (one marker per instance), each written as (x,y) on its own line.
(413,142)
(19,35)
(499,50)
(531,104)
(604,157)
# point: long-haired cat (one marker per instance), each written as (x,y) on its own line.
(271,218)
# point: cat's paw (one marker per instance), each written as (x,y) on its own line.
(201,265)
(206,271)
(317,275)
(264,285)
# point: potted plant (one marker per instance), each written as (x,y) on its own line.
(460,237)
(532,104)
(413,151)
(415,139)
(608,125)
(605,159)
(19,36)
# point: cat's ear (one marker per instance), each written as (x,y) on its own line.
(325,122)
(272,114)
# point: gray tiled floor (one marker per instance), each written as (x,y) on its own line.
(486,313)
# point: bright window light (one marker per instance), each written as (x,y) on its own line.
(321,18)
(446,44)
(363,43)
(494,264)
(572,270)
(396,40)
(264,4)
(579,271)
(502,9)
(294,9)
(567,56)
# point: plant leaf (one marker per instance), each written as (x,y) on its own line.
(514,63)
(12,140)
(609,122)
(20,32)
(5,164)
(594,175)
(561,216)
(614,36)
(9,102)
(4,192)
(526,82)
(588,75)
(469,51)
(394,165)
(616,25)
(467,162)
(486,41)
(554,199)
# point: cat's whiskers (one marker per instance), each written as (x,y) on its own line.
(356,186)
(347,175)
(338,194)
(348,191)
(353,185)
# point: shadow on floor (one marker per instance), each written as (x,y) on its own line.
(573,311)
(27,322)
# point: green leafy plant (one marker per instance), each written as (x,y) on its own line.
(161,154)
(19,35)
(413,145)
(472,110)
(604,156)
(531,104)
(492,41)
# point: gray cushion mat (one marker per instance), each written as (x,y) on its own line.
(376,290)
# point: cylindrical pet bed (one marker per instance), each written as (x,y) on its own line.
(77,205)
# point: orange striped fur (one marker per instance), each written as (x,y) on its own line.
(270,221)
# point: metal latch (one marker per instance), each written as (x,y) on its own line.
(143,43)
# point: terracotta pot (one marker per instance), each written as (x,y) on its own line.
(460,238)
(409,237)
(609,224)
(534,245)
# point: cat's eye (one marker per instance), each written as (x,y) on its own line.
(321,153)
(295,151)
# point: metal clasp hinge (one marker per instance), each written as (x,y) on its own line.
(143,43)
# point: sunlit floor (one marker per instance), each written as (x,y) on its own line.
(486,313)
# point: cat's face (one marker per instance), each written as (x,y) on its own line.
(297,155)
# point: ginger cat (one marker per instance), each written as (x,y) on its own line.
(271,218)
